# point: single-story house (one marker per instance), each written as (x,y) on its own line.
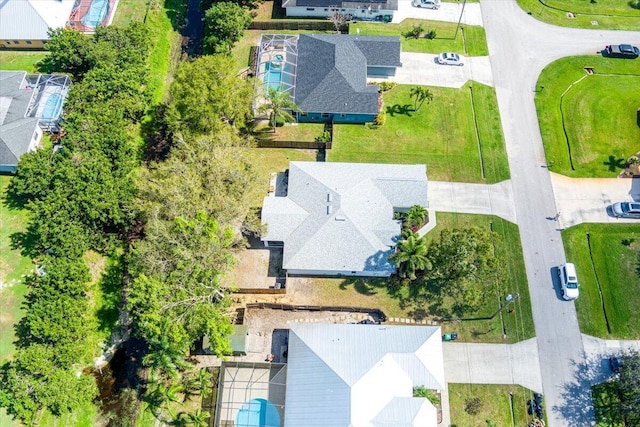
(24,24)
(347,375)
(326,74)
(358,9)
(29,104)
(337,219)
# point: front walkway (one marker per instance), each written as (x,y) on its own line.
(589,199)
(422,69)
(473,363)
(448,12)
(485,199)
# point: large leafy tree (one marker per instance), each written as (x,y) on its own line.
(224,25)
(623,406)
(411,256)
(207,94)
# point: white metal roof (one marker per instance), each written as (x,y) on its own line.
(360,375)
(339,216)
(31,19)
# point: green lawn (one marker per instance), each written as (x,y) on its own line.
(609,14)
(290,132)
(470,41)
(496,405)
(374,293)
(441,134)
(130,11)
(20,60)
(599,114)
(616,258)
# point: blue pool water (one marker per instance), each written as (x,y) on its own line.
(258,413)
(272,76)
(52,107)
(96,13)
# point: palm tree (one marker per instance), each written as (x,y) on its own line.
(165,358)
(416,216)
(411,256)
(421,95)
(279,102)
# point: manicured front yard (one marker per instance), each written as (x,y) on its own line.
(599,114)
(496,406)
(610,14)
(471,40)
(441,134)
(375,293)
(615,249)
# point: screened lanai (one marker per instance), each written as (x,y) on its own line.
(277,62)
(49,94)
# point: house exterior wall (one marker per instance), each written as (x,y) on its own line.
(322,12)
(339,273)
(22,44)
(381,71)
(336,118)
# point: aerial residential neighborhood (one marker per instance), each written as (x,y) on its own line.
(297,213)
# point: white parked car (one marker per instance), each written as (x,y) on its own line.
(450,58)
(428,4)
(568,281)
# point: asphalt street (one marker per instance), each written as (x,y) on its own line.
(520,47)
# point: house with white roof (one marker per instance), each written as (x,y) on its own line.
(338,218)
(24,24)
(346,375)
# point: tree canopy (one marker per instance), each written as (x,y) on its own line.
(224,25)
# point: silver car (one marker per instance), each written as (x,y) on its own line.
(450,58)
(626,209)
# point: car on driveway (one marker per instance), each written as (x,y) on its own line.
(428,4)
(621,51)
(568,281)
(449,58)
(626,209)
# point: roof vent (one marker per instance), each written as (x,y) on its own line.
(329,197)
(340,218)
(329,210)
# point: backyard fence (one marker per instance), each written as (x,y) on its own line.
(260,291)
(298,25)
(379,314)
(312,145)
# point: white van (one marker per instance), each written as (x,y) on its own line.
(429,4)
(568,281)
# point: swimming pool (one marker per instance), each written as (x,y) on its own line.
(258,413)
(272,76)
(96,13)
(52,107)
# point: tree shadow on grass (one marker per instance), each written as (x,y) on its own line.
(614,165)
(361,285)
(110,284)
(404,110)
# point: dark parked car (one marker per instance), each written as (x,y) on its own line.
(615,362)
(621,51)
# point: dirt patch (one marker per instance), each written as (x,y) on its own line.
(257,268)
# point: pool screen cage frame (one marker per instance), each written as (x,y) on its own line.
(274,44)
(43,86)
(240,382)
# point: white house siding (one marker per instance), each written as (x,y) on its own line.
(339,273)
(322,12)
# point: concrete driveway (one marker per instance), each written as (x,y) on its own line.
(448,12)
(589,199)
(494,199)
(422,69)
(473,363)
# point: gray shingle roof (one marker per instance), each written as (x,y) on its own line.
(31,19)
(332,71)
(339,216)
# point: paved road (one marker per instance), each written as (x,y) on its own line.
(520,47)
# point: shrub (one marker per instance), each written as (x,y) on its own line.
(633,160)
(428,394)
(414,32)
(472,405)
(325,137)
(430,35)
(381,118)
(386,86)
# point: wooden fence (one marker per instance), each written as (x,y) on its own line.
(379,314)
(313,145)
(263,291)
